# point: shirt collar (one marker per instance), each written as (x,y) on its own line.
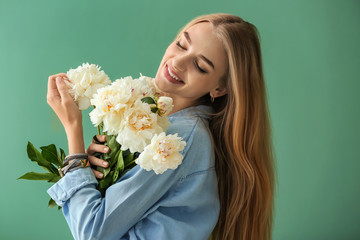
(203,111)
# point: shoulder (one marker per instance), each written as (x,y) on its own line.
(192,126)
(190,122)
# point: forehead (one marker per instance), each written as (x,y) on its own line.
(204,40)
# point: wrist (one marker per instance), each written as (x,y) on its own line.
(75,139)
(72,126)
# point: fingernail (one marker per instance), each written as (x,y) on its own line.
(105,163)
(101,175)
(106,149)
(59,80)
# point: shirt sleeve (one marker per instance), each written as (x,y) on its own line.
(127,204)
(90,216)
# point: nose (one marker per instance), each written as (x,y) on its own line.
(176,68)
(179,62)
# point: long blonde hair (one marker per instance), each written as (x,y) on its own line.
(241,130)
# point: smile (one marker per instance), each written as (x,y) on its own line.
(171,76)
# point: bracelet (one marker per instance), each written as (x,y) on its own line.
(78,160)
(74,156)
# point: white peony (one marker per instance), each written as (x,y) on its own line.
(138,127)
(165,105)
(110,104)
(85,80)
(145,86)
(162,153)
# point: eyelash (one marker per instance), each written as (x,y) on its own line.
(196,64)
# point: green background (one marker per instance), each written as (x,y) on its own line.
(311,61)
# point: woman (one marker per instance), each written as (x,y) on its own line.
(224,187)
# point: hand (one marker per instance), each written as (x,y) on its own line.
(93,148)
(62,103)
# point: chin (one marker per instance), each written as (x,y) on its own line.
(157,84)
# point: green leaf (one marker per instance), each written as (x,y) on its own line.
(52,203)
(62,156)
(114,147)
(103,170)
(36,156)
(38,176)
(131,164)
(112,144)
(114,158)
(55,179)
(107,171)
(51,154)
(154,109)
(148,100)
(105,183)
(98,155)
(119,167)
(129,158)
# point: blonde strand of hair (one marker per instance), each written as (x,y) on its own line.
(242,135)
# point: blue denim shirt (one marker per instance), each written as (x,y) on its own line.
(178,204)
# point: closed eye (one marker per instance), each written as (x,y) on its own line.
(199,68)
(179,45)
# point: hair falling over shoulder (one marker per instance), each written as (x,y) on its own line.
(242,134)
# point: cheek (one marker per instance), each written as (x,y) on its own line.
(200,86)
(205,83)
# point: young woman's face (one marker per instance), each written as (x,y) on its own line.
(193,65)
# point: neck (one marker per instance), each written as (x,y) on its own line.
(180,103)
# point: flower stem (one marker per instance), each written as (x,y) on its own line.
(130,163)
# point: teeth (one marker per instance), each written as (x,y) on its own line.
(171,74)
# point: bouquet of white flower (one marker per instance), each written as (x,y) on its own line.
(131,114)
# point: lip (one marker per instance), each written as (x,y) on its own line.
(169,77)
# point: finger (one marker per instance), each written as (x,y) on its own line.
(53,92)
(52,89)
(63,89)
(98,174)
(93,148)
(98,162)
(100,138)
(52,82)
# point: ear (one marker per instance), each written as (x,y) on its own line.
(218,92)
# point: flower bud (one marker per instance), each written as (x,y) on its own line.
(165,105)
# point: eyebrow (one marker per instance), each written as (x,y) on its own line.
(187,36)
